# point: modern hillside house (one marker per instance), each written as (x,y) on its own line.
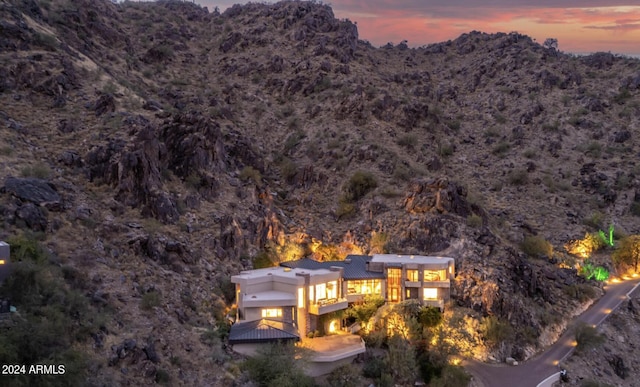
(304,293)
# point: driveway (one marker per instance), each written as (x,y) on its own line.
(545,364)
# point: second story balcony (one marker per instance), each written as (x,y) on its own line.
(329,305)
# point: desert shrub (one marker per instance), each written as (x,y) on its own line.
(345,209)
(274,365)
(150,300)
(474,221)
(162,376)
(6,151)
(294,138)
(344,376)
(536,247)
(453,125)
(501,148)
(373,368)
(39,170)
(518,177)
(226,289)
(408,140)
(451,376)
(249,173)
(359,185)
(628,252)
(445,149)
(262,260)
(635,208)
(27,247)
(53,317)
(430,316)
(288,169)
(622,96)
(378,242)
(593,149)
(400,359)
(580,292)
(494,330)
(587,337)
(594,220)
(46,41)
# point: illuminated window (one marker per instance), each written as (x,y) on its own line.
(434,275)
(332,289)
(321,291)
(300,297)
(311,299)
(364,287)
(2,262)
(267,313)
(412,275)
(430,293)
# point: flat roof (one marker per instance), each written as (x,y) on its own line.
(280,271)
(404,259)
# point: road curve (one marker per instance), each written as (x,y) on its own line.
(543,365)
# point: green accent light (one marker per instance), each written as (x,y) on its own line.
(609,240)
(598,273)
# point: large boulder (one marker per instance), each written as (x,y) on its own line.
(37,191)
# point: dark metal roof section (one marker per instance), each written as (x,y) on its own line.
(355,266)
(262,331)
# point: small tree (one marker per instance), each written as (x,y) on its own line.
(628,252)
(551,44)
(401,361)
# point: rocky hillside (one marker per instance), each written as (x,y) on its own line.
(154,149)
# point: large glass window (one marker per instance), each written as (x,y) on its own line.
(435,275)
(275,312)
(311,294)
(332,289)
(430,293)
(412,275)
(300,297)
(371,286)
(321,291)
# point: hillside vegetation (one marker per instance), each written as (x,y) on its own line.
(153,149)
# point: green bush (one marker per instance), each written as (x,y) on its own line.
(53,317)
(501,149)
(587,337)
(344,376)
(451,376)
(518,177)
(162,376)
(262,260)
(408,140)
(374,367)
(359,185)
(274,365)
(249,173)
(430,316)
(150,300)
(495,330)
(594,220)
(39,170)
(474,221)
(536,247)
(580,292)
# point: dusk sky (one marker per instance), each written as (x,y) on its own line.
(581,26)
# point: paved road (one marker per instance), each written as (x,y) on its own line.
(535,370)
